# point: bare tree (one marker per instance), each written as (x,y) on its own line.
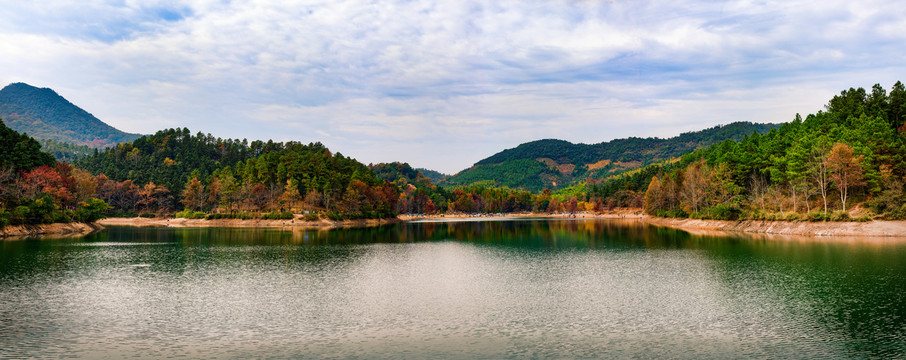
(818,172)
(758,190)
(844,170)
(695,185)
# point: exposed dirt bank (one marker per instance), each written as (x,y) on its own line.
(296,223)
(611,215)
(847,229)
(698,227)
(61,230)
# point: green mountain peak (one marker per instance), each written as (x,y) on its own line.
(45,115)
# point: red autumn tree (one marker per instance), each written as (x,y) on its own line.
(47,180)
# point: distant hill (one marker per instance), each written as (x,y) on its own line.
(554,164)
(419,194)
(435,176)
(395,171)
(45,115)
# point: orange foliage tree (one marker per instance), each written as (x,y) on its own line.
(845,170)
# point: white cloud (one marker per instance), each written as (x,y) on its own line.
(443,84)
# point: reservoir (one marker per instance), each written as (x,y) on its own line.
(488,289)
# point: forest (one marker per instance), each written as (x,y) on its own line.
(173,170)
(65,151)
(35,188)
(557,164)
(847,161)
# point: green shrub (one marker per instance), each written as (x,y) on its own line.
(65,216)
(776,216)
(893,212)
(312,216)
(335,216)
(41,211)
(217,216)
(148,215)
(91,210)
(839,216)
(724,212)
(243,216)
(189,214)
(818,216)
(278,216)
(756,214)
(122,213)
(678,213)
(19,215)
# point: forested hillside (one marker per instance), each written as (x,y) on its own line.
(418,194)
(847,160)
(66,152)
(19,152)
(169,156)
(435,176)
(45,115)
(556,163)
(207,174)
(628,149)
(35,189)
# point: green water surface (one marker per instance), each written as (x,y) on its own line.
(473,289)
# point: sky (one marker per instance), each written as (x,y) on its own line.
(444,84)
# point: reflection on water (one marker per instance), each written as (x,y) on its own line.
(486,289)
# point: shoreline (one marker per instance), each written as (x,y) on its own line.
(64,230)
(239,223)
(875,228)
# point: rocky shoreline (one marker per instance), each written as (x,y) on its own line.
(877,228)
(251,223)
(698,227)
(61,230)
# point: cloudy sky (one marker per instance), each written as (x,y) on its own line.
(444,84)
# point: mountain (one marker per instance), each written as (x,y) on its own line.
(45,115)
(555,164)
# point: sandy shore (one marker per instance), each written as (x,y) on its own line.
(698,227)
(614,215)
(56,230)
(843,230)
(297,223)
(835,229)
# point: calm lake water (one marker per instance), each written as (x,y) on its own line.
(485,289)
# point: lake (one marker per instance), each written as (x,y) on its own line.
(529,288)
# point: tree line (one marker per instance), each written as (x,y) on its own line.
(849,158)
(176,173)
